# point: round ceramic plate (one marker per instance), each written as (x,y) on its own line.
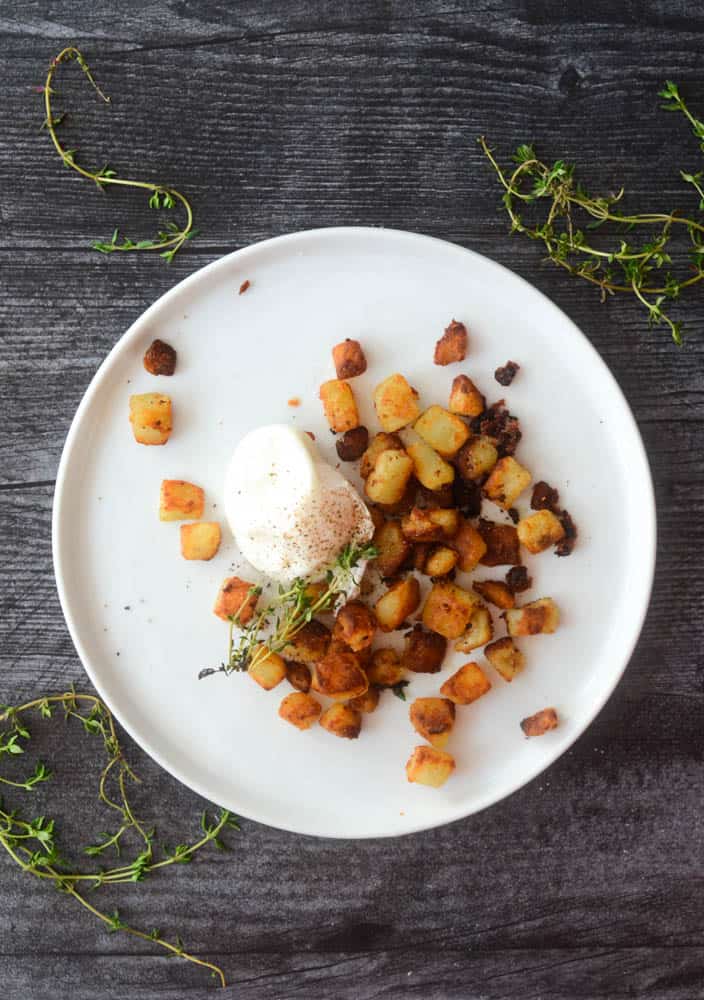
(141,616)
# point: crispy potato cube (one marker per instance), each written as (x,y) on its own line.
(428,766)
(339,675)
(339,405)
(469,544)
(342,720)
(399,601)
(309,644)
(298,675)
(385,669)
(387,482)
(423,651)
(300,709)
(465,398)
(392,546)
(539,531)
(430,524)
(442,430)
(180,501)
(236,599)
(495,592)
(380,442)
(507,481)
(541,616)
(452,346)
(266,668)
(396,403)
(431,471)
(447,609)
(348,358)
(355,625)
(505,657)
(440,561)
(433,719)
(479,631)
(540,723)
(352,444)
(367,702)
(160,358)
(466,684)
(201,540)
(477,457)
(150,416)
(502,545)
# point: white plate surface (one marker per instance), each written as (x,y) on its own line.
(141,617)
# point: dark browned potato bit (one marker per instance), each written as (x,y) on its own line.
(452,346)
(349,359)
(506,374)
(495,592)
(503,547)
(244,286)
(518,580)
(540,723)
(565,547)
(498,423)
(160,358)
(298,676)
(467,496)
(423,651)
(435,498)
(352,444)
(545,497)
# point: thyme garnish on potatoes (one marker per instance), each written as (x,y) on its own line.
(32,842)
(626,264)
(168,241)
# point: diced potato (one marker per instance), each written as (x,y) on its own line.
(540,723)
(423,652)
(431,471)
(502,545)
(428,766)
(352,444)
(477,457)
(495,592)
(452,346)
(201,540)
(387,482)
(160,358)
(339,675)
(342,720)
(479,631)
(380,442)
(392,546)
(541,616)
(236,599)
(433,719)
(339,405)
(150,416)
(469,544)
(440,561)
(465,398)
(362,656)
(355,625)
(266,668)
(505,657)
(540,530)
(300,709)
(309,644)
(466,684)
(396,403)
(430,524)
(444,496)
(180,501)
(421,551)
(298,675)
(367,702)
(348,358)
(385,669)
(443,431)
(399,601)
(447,609)
(506,482)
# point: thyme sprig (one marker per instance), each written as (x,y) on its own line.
(32,842)
(168,241)
(638,268)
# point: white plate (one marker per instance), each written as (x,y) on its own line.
(141,617)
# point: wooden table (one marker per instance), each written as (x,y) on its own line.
(277,117)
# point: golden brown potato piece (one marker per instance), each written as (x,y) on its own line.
(309,644)
(300,709)
(180,501)
(502,545)
(443,431)
(339,675)
(507,481)
(505,657)
(495,592)
(366,702)
(392,546)
(396,403)
(447,609)
(541,616)
(430,524)
(452,346)
(160,358)
(150,416)
(355,625)
(236,599)
(540,530)
(386,483)
(466,684)
(433,719)
(431,471)
(477,457)
(423,652)
(469,544)
(342,720)
(540,723)
(266,668)
(428,766)
(479,631)
(385,669)
(380,442)
(298,675)
(440,561)
(201,540)
(348,358)
(399,601)
(465,398)
(352,444)
(339,405)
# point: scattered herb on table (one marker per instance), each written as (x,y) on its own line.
(168,241)
(626,265)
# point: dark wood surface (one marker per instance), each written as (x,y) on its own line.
(586,885)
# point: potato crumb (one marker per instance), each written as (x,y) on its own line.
(294,401)
(244,286)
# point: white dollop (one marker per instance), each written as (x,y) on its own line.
(291,513)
